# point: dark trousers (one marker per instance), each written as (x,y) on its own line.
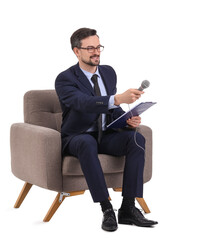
(86,149)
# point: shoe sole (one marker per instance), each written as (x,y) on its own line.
(110,229)
(130,222)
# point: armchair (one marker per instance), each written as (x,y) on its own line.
(36,154)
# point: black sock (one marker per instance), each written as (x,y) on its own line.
(127,202)
(106,205)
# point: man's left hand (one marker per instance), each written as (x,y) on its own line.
(134,121)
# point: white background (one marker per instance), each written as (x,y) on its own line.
(161,41)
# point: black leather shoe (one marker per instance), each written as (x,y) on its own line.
(134,216)
(109,222)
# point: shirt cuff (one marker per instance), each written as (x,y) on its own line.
(111,103)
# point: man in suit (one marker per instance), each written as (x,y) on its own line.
(87,93)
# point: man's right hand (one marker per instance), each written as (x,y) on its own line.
(129,96)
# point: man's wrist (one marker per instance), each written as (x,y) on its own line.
(117,100)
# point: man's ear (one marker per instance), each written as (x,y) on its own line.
(76,51)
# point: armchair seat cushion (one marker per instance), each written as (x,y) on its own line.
(109,164)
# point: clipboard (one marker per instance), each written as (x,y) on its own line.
(120,122)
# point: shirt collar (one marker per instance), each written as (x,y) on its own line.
(89,74)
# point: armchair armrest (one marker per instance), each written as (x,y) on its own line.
(147,133)
(36,155)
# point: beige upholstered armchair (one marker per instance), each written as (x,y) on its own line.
(36,153)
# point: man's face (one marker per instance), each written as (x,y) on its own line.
(85,57)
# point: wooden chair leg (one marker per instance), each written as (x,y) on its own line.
(117,189)
(141,201)
(143,205)
(23,194)
(55,205)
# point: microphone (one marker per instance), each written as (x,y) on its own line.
(144,84)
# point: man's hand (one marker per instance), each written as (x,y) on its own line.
(134,121)
(129,96)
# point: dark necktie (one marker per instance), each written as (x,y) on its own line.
(98,93)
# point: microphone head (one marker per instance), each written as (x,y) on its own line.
(145,84)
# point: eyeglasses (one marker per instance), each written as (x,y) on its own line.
(91,49)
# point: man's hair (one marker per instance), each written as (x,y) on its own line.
(81,34)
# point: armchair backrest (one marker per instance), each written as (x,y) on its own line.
(42,108)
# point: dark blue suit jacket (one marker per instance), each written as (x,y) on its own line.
(80,106)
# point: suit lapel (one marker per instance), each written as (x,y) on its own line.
(105,77)
(83,79)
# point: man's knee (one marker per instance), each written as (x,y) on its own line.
(140,139)
(136,138)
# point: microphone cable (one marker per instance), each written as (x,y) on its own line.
(144,84)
